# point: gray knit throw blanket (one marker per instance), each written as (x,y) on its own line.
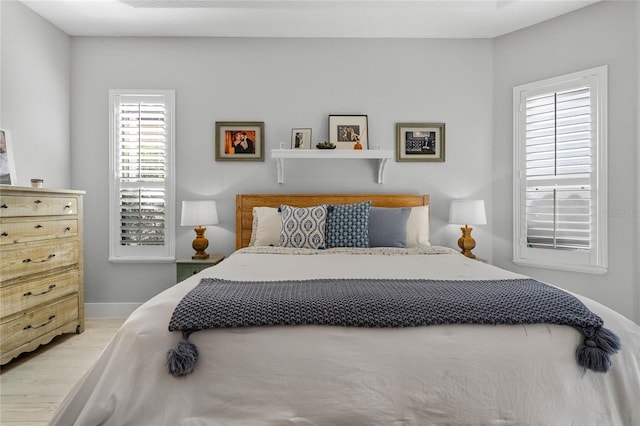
(217,303)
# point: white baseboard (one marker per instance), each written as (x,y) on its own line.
(109,310)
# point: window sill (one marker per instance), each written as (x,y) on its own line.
(588,269)
(132,259)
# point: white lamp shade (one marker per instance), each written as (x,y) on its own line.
(467,212)
(199,213)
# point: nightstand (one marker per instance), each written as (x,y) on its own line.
(186,267)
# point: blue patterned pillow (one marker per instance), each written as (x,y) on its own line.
(348,225)
(303,227)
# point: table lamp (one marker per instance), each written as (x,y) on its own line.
(199,214)
(467,212)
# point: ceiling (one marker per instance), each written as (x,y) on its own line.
(300,18)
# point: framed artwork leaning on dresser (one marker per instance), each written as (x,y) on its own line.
(7,165)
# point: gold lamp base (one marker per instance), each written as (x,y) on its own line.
(200,244)
(466,243)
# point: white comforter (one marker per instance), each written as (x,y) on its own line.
(322,375)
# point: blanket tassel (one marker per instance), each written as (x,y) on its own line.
(182,358)
(594,353)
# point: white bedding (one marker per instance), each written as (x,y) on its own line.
(322,375)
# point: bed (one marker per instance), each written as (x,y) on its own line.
(312,374)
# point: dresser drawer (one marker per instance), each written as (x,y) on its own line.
(21,232)
(26,295)
(37,322)
(22,260)
(13,205)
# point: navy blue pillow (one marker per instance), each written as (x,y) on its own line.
(388,226)
(348,225)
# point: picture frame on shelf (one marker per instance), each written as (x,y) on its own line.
(300,138)
(7,164)
(239,141)
(349,131)
(420,142)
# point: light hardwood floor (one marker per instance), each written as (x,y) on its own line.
(34,384)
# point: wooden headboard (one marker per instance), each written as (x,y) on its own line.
(246,202)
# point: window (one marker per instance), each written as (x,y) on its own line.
(560,189)
(141,204)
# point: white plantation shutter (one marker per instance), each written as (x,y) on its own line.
(558,165)
(142,182)
(560,172)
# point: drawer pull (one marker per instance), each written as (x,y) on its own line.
(51,256)
(37,201)
(41,325)
(51,287)
(4,234)
(38,226)
(68,206)
(68,228)
(4,206)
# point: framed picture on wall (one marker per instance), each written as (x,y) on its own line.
(239,141)
(349,131)
(7,165)
(300,138)
(420,142)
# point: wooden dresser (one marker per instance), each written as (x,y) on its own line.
(41,267)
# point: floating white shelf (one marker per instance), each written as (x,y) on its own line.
(382,155)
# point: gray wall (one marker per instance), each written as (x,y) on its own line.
(34,95)
(286,83)
(603,34)
(637,139)
(296,83)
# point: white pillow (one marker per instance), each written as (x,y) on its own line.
(418,227)
(265,230)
